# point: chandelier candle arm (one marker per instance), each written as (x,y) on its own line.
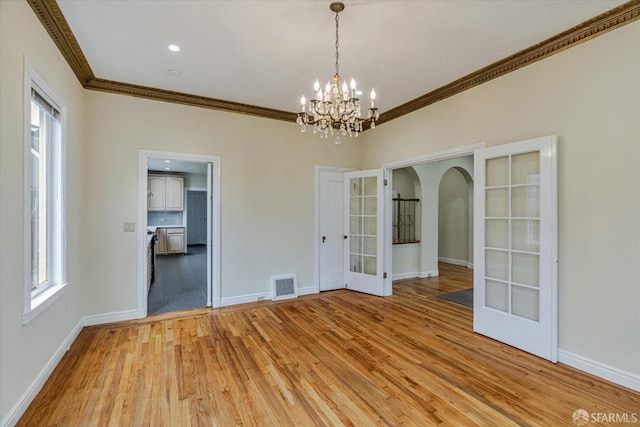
(338,107)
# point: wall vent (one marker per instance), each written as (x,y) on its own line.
(284,286)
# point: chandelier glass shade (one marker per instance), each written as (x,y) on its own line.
(336,108)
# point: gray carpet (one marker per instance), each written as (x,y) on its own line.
(180,282)
(464,297)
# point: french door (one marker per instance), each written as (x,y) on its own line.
(515,273)
(363,225)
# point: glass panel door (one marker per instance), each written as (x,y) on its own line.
(363,222)
(515,277)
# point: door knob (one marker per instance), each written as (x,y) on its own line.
(346,237)
(324,238)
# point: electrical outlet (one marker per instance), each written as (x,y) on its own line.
(129,227)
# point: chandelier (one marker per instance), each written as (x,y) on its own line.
(337,107)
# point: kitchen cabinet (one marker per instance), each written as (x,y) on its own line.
(175,240)
(170,241)
(161,241)
(165,193)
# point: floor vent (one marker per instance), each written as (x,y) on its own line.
(283,287)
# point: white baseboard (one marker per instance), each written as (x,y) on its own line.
(432,273)
(244,299)
(307,290)
(30,393)
(401,276)
(453,261)
(470,265)
(615,375)
(116,316)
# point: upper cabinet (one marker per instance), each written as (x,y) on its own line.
(165,193)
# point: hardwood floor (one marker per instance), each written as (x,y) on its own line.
(337,358)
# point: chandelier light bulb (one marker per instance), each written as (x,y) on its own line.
(316,86)
(353,84)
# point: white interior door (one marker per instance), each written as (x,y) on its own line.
(331,230)
(363,223)
(515,274)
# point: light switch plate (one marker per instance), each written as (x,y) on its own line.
(129,227)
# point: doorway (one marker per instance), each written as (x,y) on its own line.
(192,266)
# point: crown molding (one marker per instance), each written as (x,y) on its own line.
(601,24)
(111,86)
(56,25)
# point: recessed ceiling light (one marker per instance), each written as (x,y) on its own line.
(167,161)
(174,48)
(168,169)
(174,73)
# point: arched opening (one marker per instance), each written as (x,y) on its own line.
(455,217)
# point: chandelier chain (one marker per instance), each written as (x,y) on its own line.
(337,45)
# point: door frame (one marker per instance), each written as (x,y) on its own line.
(319,169)
(213,222)
(387,173)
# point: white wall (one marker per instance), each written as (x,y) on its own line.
(267,191)
(430,175)
(26,350)
(455,216)
(589,97)
(403,183)
(406,257)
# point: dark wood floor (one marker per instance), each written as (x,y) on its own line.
(337,358)
(180,282)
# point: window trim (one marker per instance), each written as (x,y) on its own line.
(35,302)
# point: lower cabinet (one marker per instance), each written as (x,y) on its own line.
(170,241)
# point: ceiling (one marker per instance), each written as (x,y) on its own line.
(162,165)
(268,53)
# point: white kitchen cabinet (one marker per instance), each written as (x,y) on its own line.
(174,193)
(165,193)
(161,242)
(155,193)
(170,241)
(175,240)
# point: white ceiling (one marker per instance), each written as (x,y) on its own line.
(162,165)
(269,53)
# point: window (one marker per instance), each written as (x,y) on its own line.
(44,200)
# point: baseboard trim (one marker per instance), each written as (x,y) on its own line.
(244,299)
(307,290)
(34,388)
(116,316)
(615,375)
(402,276)
(425,274)
(453,261)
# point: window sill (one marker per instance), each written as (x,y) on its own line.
(43,301)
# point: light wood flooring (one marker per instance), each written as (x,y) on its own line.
(337,358)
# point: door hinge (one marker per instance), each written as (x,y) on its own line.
(385,182)
(384,276)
